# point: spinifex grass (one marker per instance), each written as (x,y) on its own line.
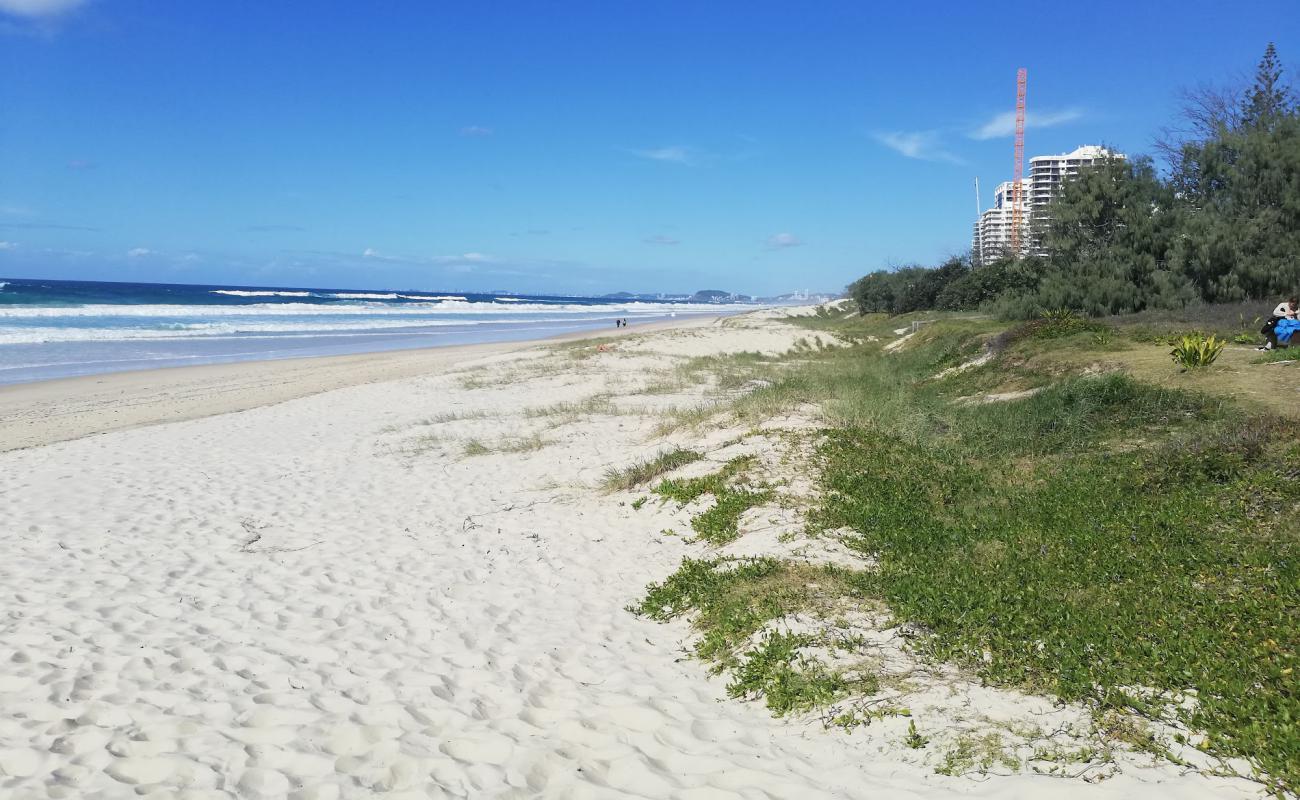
(645,471)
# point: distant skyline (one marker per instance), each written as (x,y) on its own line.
(755,147)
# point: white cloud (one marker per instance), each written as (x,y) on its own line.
(371,254)
(38,9)
(780,241)
(476,131)
(921,145)
(464,262)
(1004,124)
(675,154)
(139,252)
(8,245)
(659,238)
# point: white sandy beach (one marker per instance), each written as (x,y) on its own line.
(289,580)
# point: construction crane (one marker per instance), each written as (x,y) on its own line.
(1017,192)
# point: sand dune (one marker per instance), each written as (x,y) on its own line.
(325,597)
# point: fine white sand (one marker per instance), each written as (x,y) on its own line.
(326,597)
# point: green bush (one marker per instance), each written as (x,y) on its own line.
(905,290)
(984,284)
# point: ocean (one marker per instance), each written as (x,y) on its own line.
(54,329)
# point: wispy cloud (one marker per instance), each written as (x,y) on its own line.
(140,252)
(8,245)
(38,9)
(374,255)
(659,238)
(461,260)
(476,131)
(674,154)
(921,145)
(1004,124)
(780,241)
(464,258)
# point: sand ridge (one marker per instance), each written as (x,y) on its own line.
(326,597)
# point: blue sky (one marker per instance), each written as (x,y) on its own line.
(559,146)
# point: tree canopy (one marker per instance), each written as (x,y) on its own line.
(1222,225)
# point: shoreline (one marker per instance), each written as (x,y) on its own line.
(38,413)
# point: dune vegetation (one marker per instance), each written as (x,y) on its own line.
(1055,505)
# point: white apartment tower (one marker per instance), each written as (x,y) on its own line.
(1046,174)
(993,229)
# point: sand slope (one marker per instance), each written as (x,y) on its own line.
(324,598)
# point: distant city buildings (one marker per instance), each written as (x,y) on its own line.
(992,236)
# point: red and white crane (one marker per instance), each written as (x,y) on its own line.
(1017,192)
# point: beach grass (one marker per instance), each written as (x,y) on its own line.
(596,405)
(517,444)
(642,472)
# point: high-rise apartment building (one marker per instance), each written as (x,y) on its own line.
(993,229)
(1046,174)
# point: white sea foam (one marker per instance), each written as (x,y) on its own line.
(362,295)
(422,315)
(47,334)
(432,297)
(510,300)
(132,329)
(371,310)
(245,293)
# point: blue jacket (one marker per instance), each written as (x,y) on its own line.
(1286,327)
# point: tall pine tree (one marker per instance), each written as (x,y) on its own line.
(1269,99)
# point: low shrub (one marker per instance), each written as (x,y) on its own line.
(1192,352)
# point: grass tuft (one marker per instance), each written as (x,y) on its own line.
(642,472)
(522,444)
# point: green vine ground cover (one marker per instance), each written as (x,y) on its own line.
(719,523)
(1103,541)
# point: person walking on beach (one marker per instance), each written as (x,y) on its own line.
(1288,309)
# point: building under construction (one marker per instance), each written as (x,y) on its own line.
(996,233)
(1020,205)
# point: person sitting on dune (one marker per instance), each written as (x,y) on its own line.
(1283,331)
(1285,312)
